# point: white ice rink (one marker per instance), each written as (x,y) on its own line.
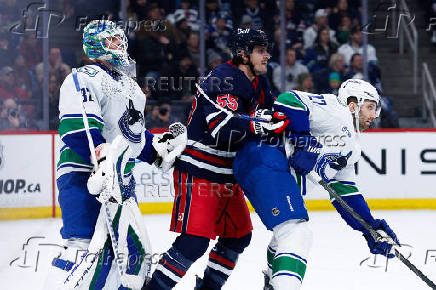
(335,260)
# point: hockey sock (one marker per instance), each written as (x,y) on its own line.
(294,240)
(222,261)
(176,261)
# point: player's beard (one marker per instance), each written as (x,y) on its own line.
(260,69)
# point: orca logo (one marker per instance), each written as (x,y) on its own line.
(131,119)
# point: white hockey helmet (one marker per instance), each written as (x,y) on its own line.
(361,90)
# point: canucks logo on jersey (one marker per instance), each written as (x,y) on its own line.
(131,123)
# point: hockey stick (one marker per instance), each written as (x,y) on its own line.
(109,219)
(230,113)
(374,234)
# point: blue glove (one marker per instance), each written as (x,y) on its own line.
(307,149)
(383,246)
(330,163)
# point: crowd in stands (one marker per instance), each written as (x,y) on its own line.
(323,49)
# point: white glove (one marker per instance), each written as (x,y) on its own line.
(104,182)
(170,145)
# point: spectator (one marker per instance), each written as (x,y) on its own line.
(334,83)
(213,59)
(160,117)
(7,53)
(311,33)
(8,87)
(355,70)
(140,8)
(292,71)
(212,9)
(9,115)
(220,33)
(181,80)
(317,58)
(23,76)
(295,25)
(193,45)
(246,22)
(53,94)
(253,10)
(190,14)
(344,29)
(55,66)
(321,77)
(355,46)
(31,49)
(305,83)
(342,8)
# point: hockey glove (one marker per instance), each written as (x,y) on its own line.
(329,164)
(307,149)
(382,246)
(170,145)
(276,125)
(107,182)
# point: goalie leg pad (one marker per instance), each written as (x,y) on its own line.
(294,240)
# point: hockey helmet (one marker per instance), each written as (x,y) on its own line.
(361,90)
(95,46)
(246,39)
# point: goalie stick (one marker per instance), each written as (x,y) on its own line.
(374,234)
(230,113)
(109,219)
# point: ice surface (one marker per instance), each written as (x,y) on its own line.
(334,261)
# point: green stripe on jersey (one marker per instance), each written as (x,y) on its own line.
(343,189)
(69,155)
(72,124)
(270,256)
(129,167)
(289,264)
(290,99)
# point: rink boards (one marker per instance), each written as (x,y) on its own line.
(397,171)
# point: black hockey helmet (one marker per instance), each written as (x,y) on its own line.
(246,39)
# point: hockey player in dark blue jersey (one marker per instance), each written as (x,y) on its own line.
(207,201)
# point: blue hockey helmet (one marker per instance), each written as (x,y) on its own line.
(246,39)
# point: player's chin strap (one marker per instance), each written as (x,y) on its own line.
(356,119)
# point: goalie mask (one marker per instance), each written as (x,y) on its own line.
(103,40)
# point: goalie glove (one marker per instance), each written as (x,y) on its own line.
(383,245)
(277,122)
(170,145)
(106,182)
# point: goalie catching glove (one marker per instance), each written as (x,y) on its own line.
(107,182)
(170,145)
(277,122)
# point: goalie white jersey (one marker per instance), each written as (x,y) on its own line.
(332,124)
(114,105)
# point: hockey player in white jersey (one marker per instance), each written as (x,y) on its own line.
(114,105)
(324,131)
